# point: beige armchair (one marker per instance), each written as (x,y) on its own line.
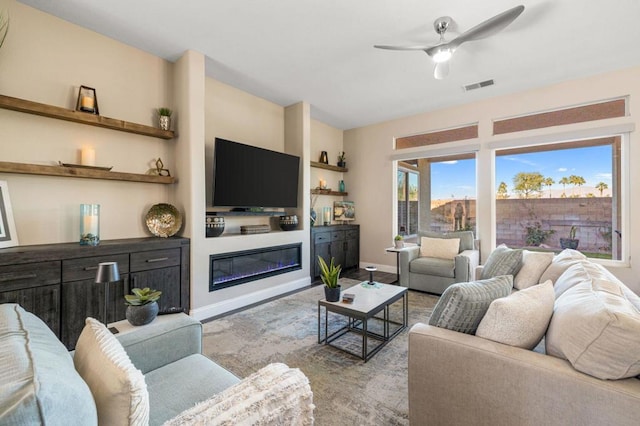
(434,275)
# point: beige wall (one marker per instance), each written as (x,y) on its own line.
(373,173)
(45,59)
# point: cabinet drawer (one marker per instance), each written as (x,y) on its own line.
(323,237)
(353,234)
(337,236)
(86,267)
(16,277)
(154,259)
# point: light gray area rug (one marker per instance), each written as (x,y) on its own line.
(346,390)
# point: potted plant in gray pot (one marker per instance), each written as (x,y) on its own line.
(330,275)
(142,305)
(571,242)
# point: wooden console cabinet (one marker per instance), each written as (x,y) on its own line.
(57,281)
(342,242)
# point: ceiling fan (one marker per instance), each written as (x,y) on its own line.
(443,51)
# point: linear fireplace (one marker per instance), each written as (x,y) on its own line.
(229,269)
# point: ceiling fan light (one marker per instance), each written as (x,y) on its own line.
(442,55)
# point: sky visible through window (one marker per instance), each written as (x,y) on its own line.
(457,179)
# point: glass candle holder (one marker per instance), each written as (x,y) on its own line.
(326,215)
(89,224)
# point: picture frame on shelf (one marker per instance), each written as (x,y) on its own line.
(8,235)
(87,100)
(344,211)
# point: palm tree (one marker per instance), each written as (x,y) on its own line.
(564,182)
(502,191)
(601,186)
(548,182)
(576,181)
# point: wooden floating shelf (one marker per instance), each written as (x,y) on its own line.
(328,167)
(36,169)
(30,107)
(263,213)
(329,192)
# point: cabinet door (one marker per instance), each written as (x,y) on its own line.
(324,251)
(338,252)
(167,280)
(352,249)
(85,298)
(40,301)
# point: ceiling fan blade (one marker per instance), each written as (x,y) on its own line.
(441,70)
(382,46)
(487,28)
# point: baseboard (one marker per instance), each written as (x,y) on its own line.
(229,305)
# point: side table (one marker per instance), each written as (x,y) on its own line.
(397,252)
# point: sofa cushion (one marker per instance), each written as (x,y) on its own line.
(534,264)
(467,241)
(463,305)
(275,394)
(520,319)
(596,326)
(433,266)
(441,248)
(179,385)
(561,262)
(502,261)
(118,387)
(38,382)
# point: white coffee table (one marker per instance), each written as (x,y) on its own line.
(369,301)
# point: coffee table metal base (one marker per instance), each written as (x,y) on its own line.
(358,323)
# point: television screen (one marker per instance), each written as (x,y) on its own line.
(248,176)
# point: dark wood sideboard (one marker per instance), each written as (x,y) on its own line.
(57,281)
(342,242)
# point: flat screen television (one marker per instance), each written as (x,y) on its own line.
(246,176)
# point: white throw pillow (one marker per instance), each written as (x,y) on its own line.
(118,388)
(534,264)
(596,326)
(442,248)
(520,319)
(560,263)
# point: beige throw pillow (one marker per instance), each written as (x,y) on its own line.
(520,319)
(442,248)
(533,266)
(596,326)
(118,388)
(560,263)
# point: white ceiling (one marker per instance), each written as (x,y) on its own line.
(321,51)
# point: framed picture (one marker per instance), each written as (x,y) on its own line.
(87,100)
(344,210)
(8,236)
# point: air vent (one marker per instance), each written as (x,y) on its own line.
(478,85)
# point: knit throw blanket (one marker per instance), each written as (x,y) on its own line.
(274,395)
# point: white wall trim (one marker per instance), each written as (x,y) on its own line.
(228,305)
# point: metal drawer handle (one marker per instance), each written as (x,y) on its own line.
(90,268)
(9,277)
(159,259)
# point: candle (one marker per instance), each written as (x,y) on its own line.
(88,156)
(91,225)
(323,184)
(87,102)
(326,211)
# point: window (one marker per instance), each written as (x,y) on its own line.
(561,195)
(437,194)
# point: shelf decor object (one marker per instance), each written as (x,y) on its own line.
(164,116)
(87,100)
(324,159)
(89,224)
(163,220)
(344,210)
(8,236)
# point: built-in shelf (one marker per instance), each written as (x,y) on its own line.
(328,167)
(329,192)
(263,213)
(30,107)
(36,169)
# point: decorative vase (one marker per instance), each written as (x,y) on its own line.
(143,314)
(313,215)
(165,122)
(215,226)
(332,294)
(288,223)
(341,186)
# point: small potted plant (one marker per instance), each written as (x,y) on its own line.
(330,275)
(571,242)
(142,305)
(398,241)
(341,159)
(165,118)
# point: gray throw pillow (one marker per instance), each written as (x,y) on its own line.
(463,305)
(502,261)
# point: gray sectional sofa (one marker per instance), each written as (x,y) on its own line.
(39,383)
